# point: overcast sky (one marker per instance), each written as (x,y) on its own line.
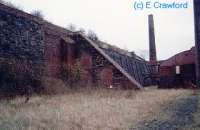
(116,22)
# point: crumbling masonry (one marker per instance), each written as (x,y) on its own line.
(47,50)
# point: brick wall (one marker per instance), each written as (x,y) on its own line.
(45,48)
(99,70)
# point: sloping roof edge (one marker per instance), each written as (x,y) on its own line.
(112,61)
(181,58)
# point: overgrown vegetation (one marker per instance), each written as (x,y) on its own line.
(38,14)
(85,109)
(10,4)
(92,35)
(73,74)
(17,78)
(72,27)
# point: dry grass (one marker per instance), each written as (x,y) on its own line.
(84,110)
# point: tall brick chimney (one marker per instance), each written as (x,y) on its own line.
(152,44)
(197,39)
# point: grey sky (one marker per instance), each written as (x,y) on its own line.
(116,22)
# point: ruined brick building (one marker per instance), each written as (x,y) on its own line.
(182,64)
(185,64)
(33,49)
(47,50)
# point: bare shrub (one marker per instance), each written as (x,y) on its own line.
(82,30)
(38,14)
(2,2)
(71,27)
(10,4)
(92,35)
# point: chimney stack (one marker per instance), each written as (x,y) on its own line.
(197,39)
(152,44)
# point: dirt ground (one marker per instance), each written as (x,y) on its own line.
(181,114)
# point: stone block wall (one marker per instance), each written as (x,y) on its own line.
(20,38)
(42,49)
(21,49)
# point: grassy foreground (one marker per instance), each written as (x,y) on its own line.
(85,110)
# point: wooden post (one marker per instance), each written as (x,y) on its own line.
(197,39)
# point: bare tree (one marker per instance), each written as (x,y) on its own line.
(10,4)
(82,30)
(71,27)
(2,2)
(37,13)
(92,35)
